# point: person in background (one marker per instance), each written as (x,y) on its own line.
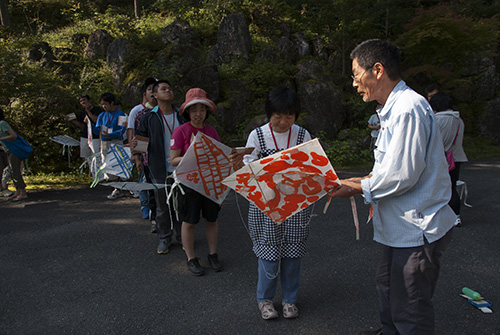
(195,111)
(431,90)
(374,126)
(123,122)
(147,93)
(109,129)
(89,141)
(7,134)
(5,174)
(409,189)
(452,131)
(141,159)
(279,248)
(158,125)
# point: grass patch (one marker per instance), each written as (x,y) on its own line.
(479,147)
(41,181)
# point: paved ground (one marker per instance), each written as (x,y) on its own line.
(73,262)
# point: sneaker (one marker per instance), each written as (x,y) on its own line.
(195,267)
(145,213)
(213,259)
(458,222)
(115,194)
(267,310)
(134,194)
(153,227)
(290,311)
(163,247)
(6,193)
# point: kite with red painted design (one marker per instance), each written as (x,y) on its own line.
(286,182)
(203,167)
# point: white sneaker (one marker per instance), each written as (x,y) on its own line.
(115,194)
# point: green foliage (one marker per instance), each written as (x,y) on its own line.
(352,151)
(358,111)
(477,147)
(39,15)
(55,180)
(37,99)
(258,77)
(439,42)
(469,114)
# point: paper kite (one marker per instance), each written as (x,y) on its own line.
(134,186)
(66,141)
(203,167)
(286,182)
(116,163)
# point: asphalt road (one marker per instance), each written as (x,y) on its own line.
(73,262)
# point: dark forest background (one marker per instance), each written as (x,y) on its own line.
(43,68)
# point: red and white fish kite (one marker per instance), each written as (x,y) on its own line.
(286,182)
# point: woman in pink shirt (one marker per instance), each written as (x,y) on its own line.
(195,110)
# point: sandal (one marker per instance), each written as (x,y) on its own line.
(267,310)
(290,311)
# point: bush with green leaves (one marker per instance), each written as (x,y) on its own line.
(437,42)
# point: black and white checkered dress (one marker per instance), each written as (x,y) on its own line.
(270,240)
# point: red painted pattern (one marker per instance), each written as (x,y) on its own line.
(292,182)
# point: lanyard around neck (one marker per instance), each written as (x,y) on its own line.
(111,120)
(165,119)
(274,138)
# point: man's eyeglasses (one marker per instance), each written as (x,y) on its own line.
(361,76)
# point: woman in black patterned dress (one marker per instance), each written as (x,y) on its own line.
(279,248)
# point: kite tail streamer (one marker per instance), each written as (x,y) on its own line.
(97,178)
(171,194)
(463,192)
(371,213)
(327,204)
(355,215)
(93,162)
(81,168)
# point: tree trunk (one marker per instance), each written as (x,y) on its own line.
(136,8)
(4,12)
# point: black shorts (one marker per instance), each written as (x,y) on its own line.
(192,203)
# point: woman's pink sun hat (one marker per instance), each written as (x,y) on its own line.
(195,96)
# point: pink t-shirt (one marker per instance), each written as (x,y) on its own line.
(181,138)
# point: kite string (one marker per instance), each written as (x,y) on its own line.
(245,225)
(241,215)
(310,216)
(280,247)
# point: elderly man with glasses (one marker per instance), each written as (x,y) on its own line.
(409,189)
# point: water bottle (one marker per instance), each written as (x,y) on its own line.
(471,294)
